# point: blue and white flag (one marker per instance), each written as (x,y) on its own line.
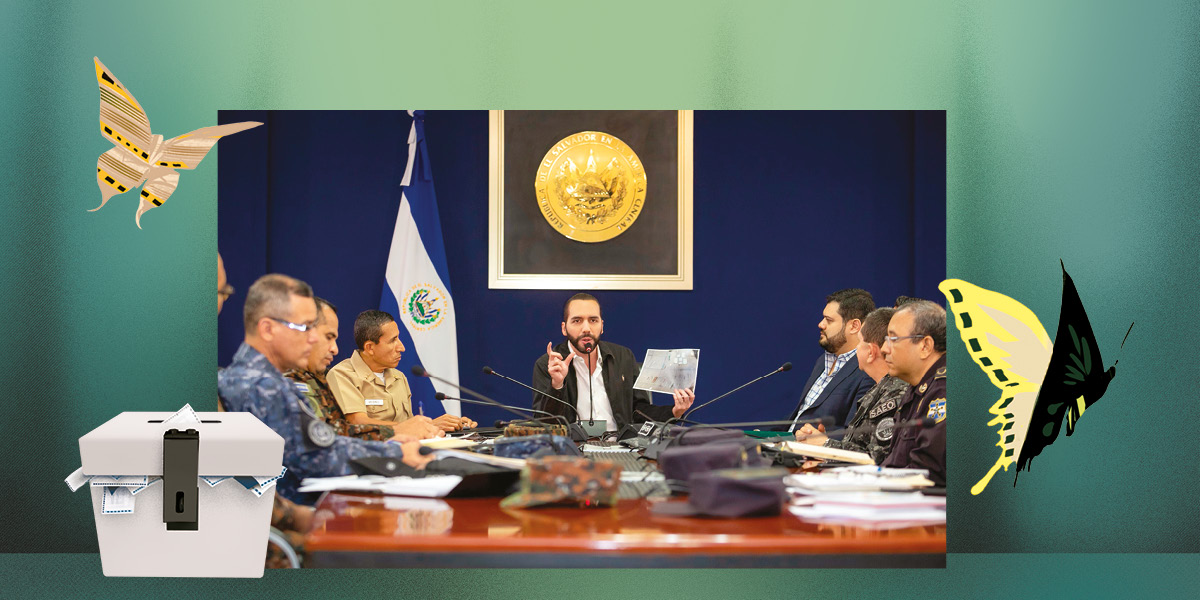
(417,285)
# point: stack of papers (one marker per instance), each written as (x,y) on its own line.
(433,486)
(869,496)
(890,509)
(859,478)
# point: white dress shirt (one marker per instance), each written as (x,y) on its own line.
(599,396)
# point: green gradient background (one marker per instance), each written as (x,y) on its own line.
(1073,134)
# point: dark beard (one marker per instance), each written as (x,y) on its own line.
(831,344)
(578,348)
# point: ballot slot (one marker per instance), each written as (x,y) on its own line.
(181,460)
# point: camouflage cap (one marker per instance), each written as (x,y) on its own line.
(566,479)
(534,446)
(523,429)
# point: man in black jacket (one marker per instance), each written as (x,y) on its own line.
(607,394)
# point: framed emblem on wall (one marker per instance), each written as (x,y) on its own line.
(598,200)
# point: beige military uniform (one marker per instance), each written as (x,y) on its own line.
(358,389)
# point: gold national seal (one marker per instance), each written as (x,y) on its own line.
(590,186)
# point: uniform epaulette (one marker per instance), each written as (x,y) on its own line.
(941,373)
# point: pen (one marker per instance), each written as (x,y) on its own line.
(421,407)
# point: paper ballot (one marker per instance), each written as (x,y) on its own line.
(668,370)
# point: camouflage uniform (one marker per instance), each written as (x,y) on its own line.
(252,384)
(871,427)
(923,447)
(283,518)
(320,398)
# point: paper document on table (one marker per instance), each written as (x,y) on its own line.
(445,443)
(485,459)
(431,486)
(668,370)
(815,451)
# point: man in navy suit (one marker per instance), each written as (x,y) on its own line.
(836,382)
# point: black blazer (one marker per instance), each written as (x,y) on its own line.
(620,370)
(840,398)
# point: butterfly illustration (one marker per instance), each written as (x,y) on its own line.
(1041,383)
(140,156)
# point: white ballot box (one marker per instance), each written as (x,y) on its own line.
(181,494)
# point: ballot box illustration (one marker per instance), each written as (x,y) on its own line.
(182,494)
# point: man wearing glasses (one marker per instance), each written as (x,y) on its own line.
(280,322)
(872,428)
(915,351)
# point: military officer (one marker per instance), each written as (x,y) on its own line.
(915,351)
(312,384)
(871,429)
(280,323)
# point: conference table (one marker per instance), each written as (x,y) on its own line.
(353,530)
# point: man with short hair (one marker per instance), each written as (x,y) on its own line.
(836,383)
(915,351)
(872,428)
(596,379)
(280,322)
(370,390)
(312,383)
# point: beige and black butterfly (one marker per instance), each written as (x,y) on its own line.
(140,156)
(1041,383)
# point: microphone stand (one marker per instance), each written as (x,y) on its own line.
(575,428)
(787,366)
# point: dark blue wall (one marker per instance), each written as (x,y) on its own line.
(788,206)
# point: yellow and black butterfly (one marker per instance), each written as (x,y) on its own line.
(1041,383)
(140,156)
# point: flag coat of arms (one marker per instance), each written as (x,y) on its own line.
(416,286)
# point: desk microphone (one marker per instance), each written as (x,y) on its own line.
(419,371)
(512,409)
(787,366)
(489,371)
(575,429)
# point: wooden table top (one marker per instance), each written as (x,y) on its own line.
(367,530)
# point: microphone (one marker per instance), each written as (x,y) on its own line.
(419,371)
(577,432)
(787,366)
(489,371)
(512,409)
(587,352)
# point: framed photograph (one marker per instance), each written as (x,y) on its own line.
(590,200)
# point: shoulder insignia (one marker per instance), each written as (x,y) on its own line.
(937,410)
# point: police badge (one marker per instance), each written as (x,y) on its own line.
(885,429)
(320,433)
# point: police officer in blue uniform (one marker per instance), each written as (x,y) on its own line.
(280,321)
(915,351)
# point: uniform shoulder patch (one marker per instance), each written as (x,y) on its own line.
(937,410)
(940,374)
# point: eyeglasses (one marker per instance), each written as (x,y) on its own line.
(301,327)
(896,338)
(226,291)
